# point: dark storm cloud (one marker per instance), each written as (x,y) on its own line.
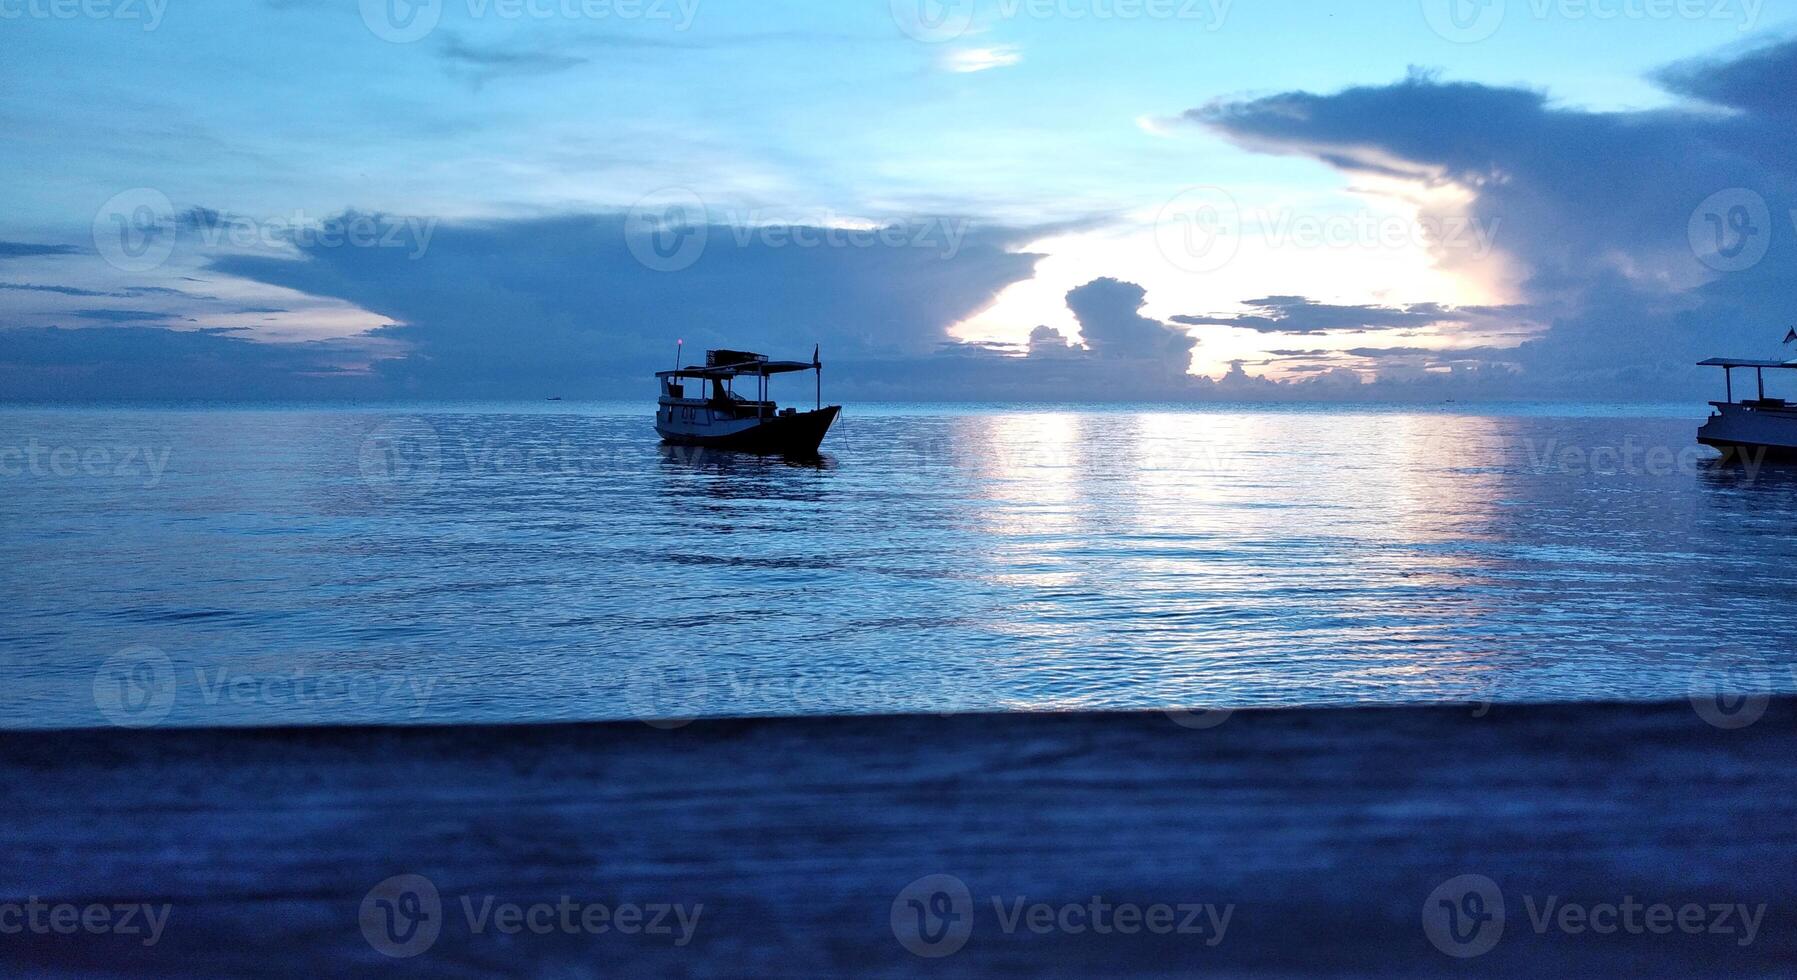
(514,308)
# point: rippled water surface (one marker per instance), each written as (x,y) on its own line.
(511,563)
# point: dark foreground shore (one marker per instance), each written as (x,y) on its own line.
(1275,843)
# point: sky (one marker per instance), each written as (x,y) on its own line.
(1006,199)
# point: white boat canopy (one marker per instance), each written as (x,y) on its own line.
(750,368)
(1736,362)
(1728,365)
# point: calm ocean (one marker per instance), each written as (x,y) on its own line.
(506,563)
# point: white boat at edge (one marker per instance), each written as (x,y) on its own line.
(1765,427)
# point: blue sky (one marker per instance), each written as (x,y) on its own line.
(341,208)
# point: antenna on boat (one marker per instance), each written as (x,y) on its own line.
(678,346)
(818,366)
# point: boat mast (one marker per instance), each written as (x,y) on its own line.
(817,366)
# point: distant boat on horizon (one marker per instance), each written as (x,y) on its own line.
(722,419)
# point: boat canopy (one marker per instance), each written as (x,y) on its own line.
(1736,362)
(750,368)
(724,364)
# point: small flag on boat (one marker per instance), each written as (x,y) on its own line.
(1792,335)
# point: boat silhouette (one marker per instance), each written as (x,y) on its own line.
(719,418)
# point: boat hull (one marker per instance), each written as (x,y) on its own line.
(798,434)
(1751,433)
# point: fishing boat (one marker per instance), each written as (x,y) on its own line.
(1756,428)
(716,417)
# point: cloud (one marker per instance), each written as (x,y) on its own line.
(481,63)
(1299,315)
(119,362)
(1046,341)
(1759,82)
(1624,222)
(969,60)
(514,308)
(60,290)
(1108,311)
(121,316)
(22,250)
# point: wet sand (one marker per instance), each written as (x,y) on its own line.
(1320,834)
